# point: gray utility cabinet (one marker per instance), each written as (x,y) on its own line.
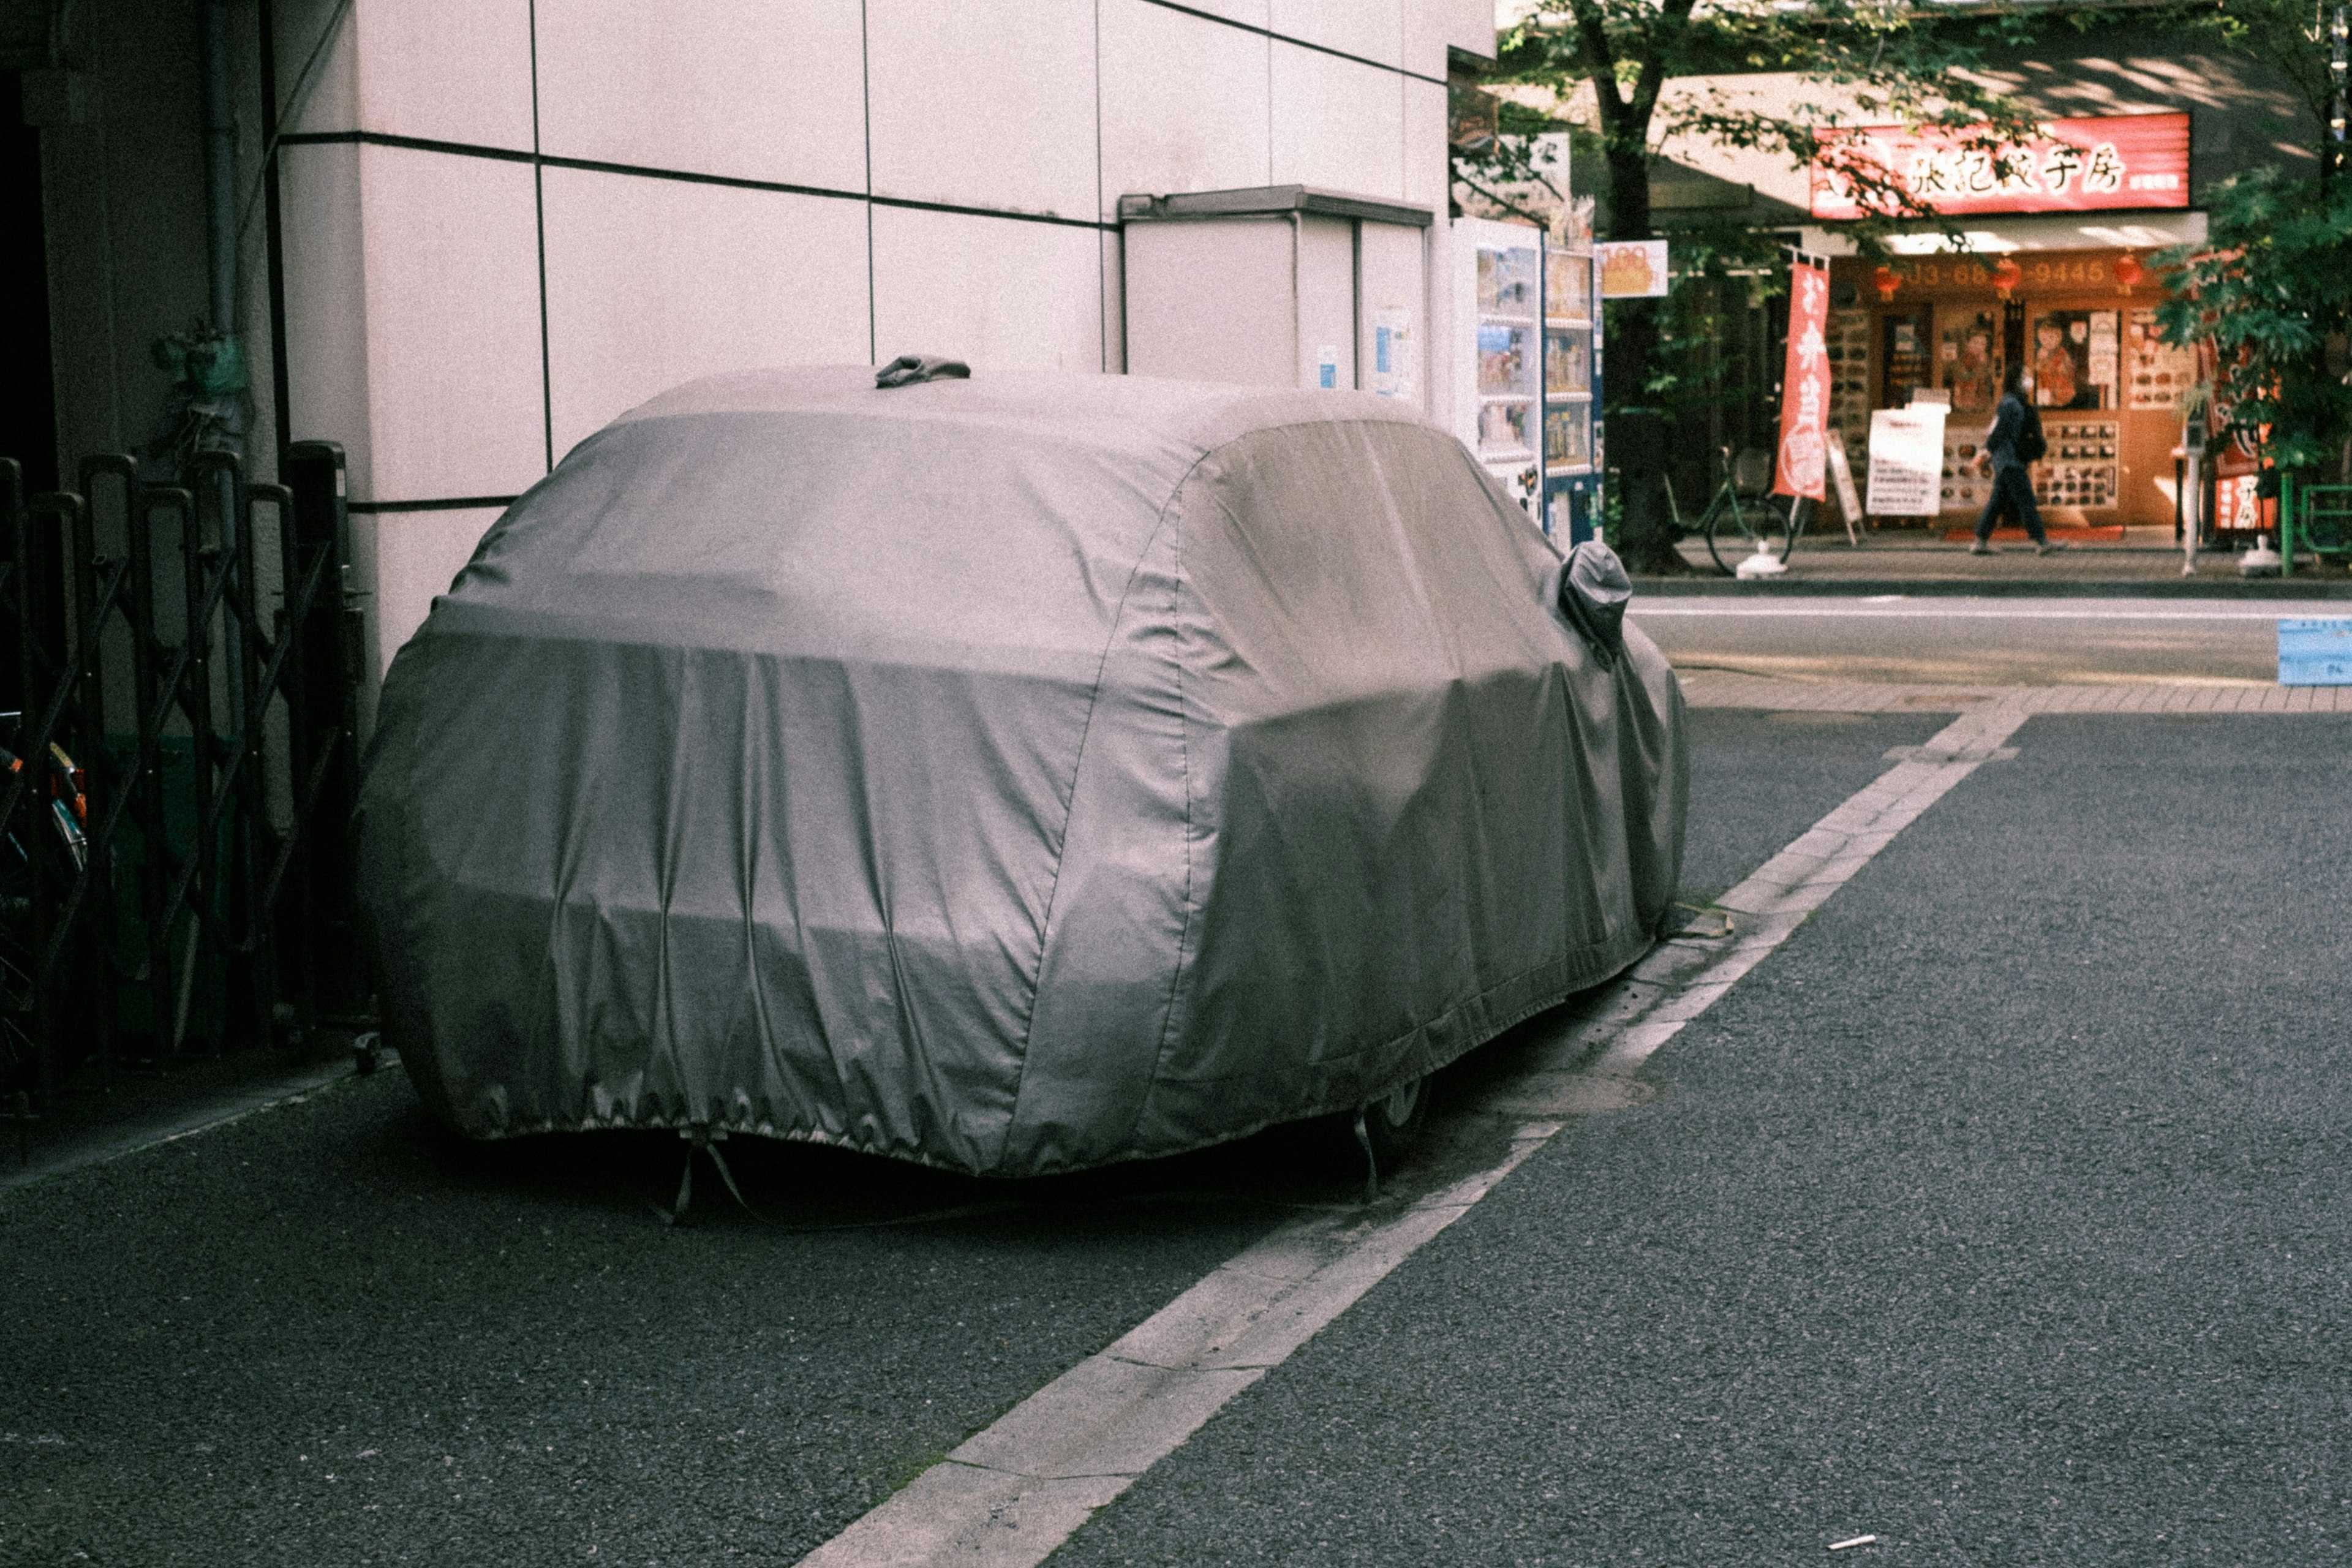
(1279,285)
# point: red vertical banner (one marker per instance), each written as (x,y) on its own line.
(1805,387)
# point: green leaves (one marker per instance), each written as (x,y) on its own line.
(1638,72)
(2268,289)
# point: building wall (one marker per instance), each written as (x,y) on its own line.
(122,186)
(507,222)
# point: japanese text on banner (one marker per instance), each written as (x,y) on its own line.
(1805,387)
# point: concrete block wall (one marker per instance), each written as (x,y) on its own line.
(507,221)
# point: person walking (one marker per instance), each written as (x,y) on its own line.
(2014,442)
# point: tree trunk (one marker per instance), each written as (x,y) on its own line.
(1645,527)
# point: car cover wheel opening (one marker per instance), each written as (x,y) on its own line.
(1393,1124)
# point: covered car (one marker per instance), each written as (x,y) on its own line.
(1011,774)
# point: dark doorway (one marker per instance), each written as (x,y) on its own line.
(29,410)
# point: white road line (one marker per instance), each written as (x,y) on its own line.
(1016,1490)
(1713,687)
(1985,610)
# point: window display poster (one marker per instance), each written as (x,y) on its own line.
(2161,373)
(1906,461)
(2068,371)
(1904,357)
(1967,467)
(2105,356)
(1968,362)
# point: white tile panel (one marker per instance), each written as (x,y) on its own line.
(1432,27)
(326,304)
(998,292)
(984,105)
(759,89)
(416,555)
(451,258)
(1337,124)
(450,71)
(1367,29)
(1251,12)
(653,282)
(1183,103)
(1427,169)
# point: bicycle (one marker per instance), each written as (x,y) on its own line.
(1741,515)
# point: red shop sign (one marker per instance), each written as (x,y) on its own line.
(1805,387)
(2079,165)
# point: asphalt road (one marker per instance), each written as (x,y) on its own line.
(2002,1215)
(324,1335)
(1980,1181)
(1961,641)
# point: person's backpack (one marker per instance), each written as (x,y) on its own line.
(2030,446)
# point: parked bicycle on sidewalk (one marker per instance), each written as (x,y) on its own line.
(1743,513)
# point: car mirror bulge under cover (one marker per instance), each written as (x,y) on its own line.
(1592,591)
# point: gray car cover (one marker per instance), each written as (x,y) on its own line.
(1012,773)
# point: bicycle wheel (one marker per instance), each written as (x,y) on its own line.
(1730,538)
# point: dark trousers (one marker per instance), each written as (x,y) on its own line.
(2012,491)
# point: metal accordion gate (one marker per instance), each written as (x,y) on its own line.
(178,732)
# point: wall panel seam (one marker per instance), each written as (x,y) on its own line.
(1287,38)
(731,182)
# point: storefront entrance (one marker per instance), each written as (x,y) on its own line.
(2109,393)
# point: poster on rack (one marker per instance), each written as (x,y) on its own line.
(1906,461)
(2161,373)
(1805,387)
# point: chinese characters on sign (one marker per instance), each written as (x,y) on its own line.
(1805,386)
(1631,269)
(2120,160)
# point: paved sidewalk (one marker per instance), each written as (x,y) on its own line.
(1731,689)
(1923,561)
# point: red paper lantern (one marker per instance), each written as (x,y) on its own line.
(2007,275)
(1888,280)
(2129,273)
